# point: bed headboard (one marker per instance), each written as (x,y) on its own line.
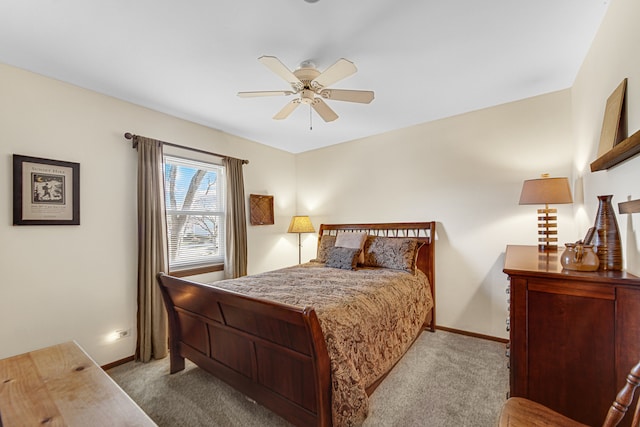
(425,232)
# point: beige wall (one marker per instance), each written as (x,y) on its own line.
(612,57)
(78,283)
(464,172)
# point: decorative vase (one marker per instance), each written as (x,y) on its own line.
(579,257)
(606,238)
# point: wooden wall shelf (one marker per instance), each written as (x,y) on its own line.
(632,206)
(619,153)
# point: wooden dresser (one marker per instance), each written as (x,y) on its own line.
(574,336)
(62,386)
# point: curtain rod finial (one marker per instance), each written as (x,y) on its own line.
(128,135)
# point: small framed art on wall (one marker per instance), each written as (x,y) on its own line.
(261,209)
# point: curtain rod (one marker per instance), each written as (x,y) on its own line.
(129,135)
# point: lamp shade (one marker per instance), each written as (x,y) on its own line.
(301,224)
(545,191)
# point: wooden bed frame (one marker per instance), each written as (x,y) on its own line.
(273,353)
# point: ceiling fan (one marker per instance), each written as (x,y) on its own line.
(311,86)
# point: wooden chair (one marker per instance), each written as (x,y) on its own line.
(521,412)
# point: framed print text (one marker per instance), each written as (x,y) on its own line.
(45,192)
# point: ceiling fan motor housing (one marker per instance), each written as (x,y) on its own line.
(306,75)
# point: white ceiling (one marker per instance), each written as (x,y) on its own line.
(424,59)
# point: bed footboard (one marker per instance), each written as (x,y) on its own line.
(273,353)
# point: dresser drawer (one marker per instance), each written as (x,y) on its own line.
(579,289)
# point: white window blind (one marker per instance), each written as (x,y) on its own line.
(195,204)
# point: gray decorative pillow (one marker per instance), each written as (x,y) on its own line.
(345,258)
(326,243)
(398,253)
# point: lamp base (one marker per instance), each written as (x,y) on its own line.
(547,229)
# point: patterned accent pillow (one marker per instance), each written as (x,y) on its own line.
(345,258)
(398,253)
(326,243)
(352,240)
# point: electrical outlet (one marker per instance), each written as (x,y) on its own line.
(123,333)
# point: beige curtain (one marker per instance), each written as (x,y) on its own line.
(235,262)
(152,250)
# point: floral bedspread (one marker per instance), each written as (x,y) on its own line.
(369,318)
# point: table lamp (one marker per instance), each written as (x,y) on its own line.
(300,224)
(546,191)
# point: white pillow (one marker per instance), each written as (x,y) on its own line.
(354,240)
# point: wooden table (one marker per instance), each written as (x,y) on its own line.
(62,386)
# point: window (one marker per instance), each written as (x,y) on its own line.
(195,204)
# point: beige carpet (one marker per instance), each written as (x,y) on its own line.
(445,379)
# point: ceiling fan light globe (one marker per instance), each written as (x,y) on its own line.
(306,97)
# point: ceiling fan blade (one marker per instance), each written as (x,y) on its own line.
(274,64)
(343,68)
(265,93)
(321,107)
(361,96)
(288,109)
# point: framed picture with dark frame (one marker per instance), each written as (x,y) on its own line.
(45,192)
